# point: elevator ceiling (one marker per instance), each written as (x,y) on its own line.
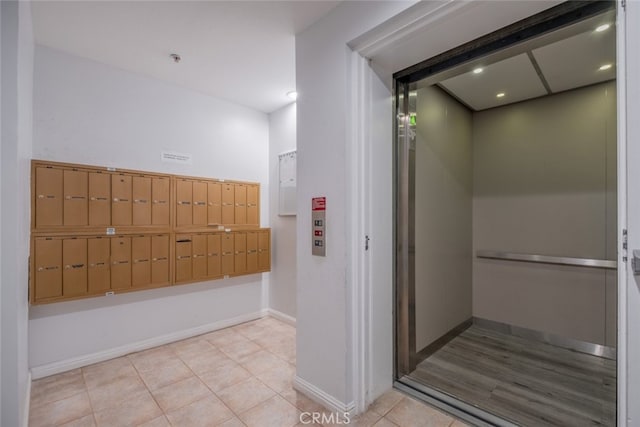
(576,56)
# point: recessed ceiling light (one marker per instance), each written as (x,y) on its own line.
(603,27)
(293,95)
(478,70)
(605,67)
(500,95)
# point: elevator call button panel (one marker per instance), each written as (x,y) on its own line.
(318,225)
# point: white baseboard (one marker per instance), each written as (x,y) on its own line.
(281,316)
(323,398)
(27,403)
(101,356)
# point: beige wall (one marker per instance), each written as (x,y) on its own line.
(442,215)
(545,183)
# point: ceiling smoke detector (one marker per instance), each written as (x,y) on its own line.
(176,58)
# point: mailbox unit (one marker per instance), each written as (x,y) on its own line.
(98,231)
(216,203)
(206,256)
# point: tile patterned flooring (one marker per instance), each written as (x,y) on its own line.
(239,376)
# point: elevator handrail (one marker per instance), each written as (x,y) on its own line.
(547,259)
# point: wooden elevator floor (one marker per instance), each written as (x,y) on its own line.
(527,382)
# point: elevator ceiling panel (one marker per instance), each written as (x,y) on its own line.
(567,58)
(576,61)
(515,77)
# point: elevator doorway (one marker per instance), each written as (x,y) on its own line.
(506,196)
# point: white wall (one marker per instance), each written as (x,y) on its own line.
(631,305)
(380,230)
(282,279)
(17,86)
(1,277)
(1,281)
(324,358)
(86,112)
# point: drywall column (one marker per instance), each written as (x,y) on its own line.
(443,195)
(632,291)
(380,226)
(16,86)
(324,356)
(1,277)
(282,279)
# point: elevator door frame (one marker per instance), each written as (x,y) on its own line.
(404,188)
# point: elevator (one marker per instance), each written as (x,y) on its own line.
(505,223)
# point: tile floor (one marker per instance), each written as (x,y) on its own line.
(239,376)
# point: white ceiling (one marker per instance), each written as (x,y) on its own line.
(567,59)
(241,51)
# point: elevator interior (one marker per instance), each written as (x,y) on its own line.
(506,209)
